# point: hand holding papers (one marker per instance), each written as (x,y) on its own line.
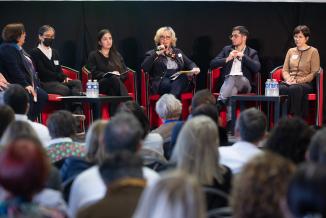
(195,71)
(115,73)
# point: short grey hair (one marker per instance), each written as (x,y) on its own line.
(251,125)
(196,150)
(168,107)
(176,194)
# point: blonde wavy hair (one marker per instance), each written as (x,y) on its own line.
(160,32)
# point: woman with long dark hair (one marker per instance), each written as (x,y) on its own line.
(106,65)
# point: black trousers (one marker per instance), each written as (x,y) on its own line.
(175,87)
(297,97)
(113,86)
(35,108)
(72,87)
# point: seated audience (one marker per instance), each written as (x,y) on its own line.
(17,129)
(202,97)
(123,175)
(17,67)
(169,109)
(123,132)
(7,115)
(24,169)
(306,195)
(16,97)
(261,186)
(176,195)
(152,149)
(196,153)
(290,138)
(317,147)
(62,128)
(95,154)
(251,127)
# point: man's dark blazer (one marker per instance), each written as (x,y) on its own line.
(13,67)
(250,64)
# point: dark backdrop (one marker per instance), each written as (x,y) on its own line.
(202,28)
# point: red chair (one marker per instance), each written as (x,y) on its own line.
(54,103)
(316,100)
(148,101)
(213,77)
(129,82)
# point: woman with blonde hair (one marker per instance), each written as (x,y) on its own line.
(196,153)
(164,61)
(176,195)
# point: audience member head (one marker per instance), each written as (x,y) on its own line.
(95,149)
(61,124)
(17,129)
(290,138)
(306,195)
(13,32)
(17,98)
(134,108)
(202,97)
(175,195)
(24,167)
(168,107)
(317,147)
(46,34)
(260,187)
(208,110)
(122,165)
(7,115)
(251,125)
(165,36)
(196,150)
(123,132)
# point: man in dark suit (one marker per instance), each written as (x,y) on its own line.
(239,65)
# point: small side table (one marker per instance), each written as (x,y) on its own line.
(279,102)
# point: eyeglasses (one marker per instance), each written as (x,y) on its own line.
(165,37)
(49,36)
(234,36)
(298,37)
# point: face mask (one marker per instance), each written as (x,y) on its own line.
(48,42)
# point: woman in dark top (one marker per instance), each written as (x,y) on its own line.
(17,67)
(47,64)
(106,65)
(162,62)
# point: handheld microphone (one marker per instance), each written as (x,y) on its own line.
(160,48)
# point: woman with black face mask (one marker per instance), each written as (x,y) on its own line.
(47,64)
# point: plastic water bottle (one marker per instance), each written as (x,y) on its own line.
(268,87)
(95,88)
(89,88)
(276,88)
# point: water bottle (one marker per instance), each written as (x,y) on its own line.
(276,88)
(272,88)
(95,88)
(268,87)
(89,88)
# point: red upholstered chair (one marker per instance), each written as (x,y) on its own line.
(129,82)
(149,100)
(316,100)
(213,77)
(54,103)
